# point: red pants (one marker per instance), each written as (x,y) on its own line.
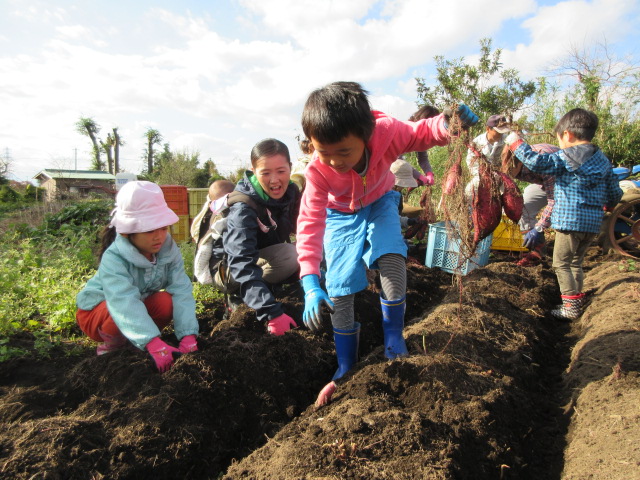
(159,305)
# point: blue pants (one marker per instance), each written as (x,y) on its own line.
(353,242)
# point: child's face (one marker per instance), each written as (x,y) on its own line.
(273,174)
(342,156)
(149,243)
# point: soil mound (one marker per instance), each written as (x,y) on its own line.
(492,389)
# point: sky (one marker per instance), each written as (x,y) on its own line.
(216,77)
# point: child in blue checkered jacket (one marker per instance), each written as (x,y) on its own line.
(584,187)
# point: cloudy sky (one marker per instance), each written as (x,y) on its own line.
(217,76)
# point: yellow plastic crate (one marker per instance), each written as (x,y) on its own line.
(197,197)
(507,236)
(180,231)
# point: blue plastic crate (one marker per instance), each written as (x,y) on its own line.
(621,172)
(444,252)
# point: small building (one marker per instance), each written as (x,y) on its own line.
(64,183)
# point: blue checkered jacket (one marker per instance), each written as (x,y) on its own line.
(584,184)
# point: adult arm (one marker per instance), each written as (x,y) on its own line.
(241,246)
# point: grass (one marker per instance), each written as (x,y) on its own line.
(48,254)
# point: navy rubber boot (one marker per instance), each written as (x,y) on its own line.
(346,342)
(392,326)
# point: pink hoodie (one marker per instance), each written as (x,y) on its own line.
(349,192)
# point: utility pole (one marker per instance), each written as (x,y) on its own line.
(75,156)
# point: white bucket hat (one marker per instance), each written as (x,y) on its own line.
(141,207)
(404,173)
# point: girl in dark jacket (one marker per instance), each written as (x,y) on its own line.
(255,250)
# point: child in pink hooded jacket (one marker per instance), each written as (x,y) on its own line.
(349,208)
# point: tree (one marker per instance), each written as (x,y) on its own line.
(88,127)
(117,143)
(486,88)
(4,169)
(177,168)
(107,146)
(609,86)
(153,137)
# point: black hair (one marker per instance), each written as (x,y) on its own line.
(580,122)
(107,237)
(268,148)
(425,111)
(305,146)
(336,110)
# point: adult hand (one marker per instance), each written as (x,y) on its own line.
(513,140)
(430,178)
(188,344)
(162,354)
(280,324)
(532,238)
(314,297)
(425,179)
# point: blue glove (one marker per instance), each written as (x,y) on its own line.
(532,238)
(467,117)
(314,296)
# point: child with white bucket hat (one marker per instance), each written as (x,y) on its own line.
(140,284)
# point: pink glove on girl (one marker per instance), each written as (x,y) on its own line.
(188,344)
(161,353)
(280,324)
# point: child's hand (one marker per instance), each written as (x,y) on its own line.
(314,297)
(162,354)
(464,113)
(280,324)
(188,344)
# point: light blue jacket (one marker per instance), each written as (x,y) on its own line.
(125,278)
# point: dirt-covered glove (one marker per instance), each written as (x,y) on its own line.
(513,140)
(163,355)
(314,297)
(188,344)
(280,324)
(533,238)
(464,113)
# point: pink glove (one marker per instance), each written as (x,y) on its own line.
(161,353)
(281,324)
(429,178)
(188,344)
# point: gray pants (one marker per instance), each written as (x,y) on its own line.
(278,262)
(535,199)
(568,254)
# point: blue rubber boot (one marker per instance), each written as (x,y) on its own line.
(346,342)
(392,325)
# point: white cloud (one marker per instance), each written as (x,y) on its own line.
(220,91)
(555,30)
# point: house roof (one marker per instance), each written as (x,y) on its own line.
(75,174)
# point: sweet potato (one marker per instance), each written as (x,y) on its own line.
(452,180)
(487,206)
(512,201)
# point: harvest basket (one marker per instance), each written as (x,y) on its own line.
(176,198)
(444,252)
(197,197)
(180,231)
(507,236)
